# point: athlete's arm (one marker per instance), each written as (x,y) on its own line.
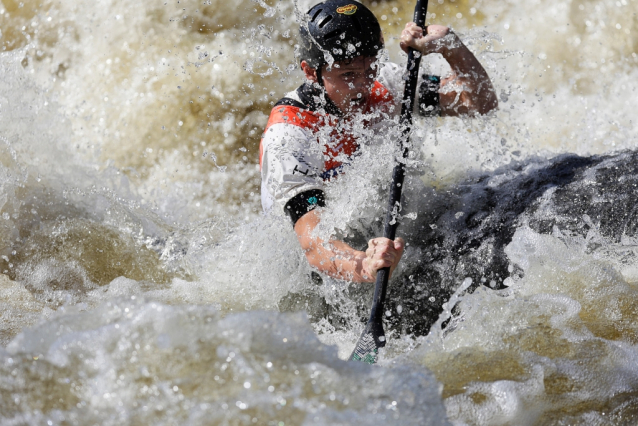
(339,260)
(468,90)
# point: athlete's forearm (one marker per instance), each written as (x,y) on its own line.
(334,258)
(338,260)
(468,90)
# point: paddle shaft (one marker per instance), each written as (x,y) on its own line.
(394,203)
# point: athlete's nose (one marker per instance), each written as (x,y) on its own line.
(363,81)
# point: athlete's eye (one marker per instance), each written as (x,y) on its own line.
(348,77)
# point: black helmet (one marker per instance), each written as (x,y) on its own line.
(343,28)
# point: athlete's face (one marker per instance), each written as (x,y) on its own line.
(349,84)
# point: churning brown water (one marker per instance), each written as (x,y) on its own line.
(142,285)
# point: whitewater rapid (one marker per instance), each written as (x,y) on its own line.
(141,284)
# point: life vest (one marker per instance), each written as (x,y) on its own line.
(306,116)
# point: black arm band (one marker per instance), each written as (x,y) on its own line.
(429,101)
(302,203)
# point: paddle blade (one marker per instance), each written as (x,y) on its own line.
(367,349)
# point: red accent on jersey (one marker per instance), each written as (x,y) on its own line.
(379,96)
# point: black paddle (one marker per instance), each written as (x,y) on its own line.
(373,336)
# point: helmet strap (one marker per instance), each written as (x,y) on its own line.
(330,106)
(319,76)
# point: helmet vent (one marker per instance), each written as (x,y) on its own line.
(315,15)
(325,21)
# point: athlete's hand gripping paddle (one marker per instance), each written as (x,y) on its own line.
(373,336)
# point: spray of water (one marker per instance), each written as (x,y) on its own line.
(141,283)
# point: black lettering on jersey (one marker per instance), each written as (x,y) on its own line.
(300,171)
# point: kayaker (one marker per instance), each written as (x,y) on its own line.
(309,137)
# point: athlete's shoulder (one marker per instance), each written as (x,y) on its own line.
(300,108)
(291,99)
(293,115)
